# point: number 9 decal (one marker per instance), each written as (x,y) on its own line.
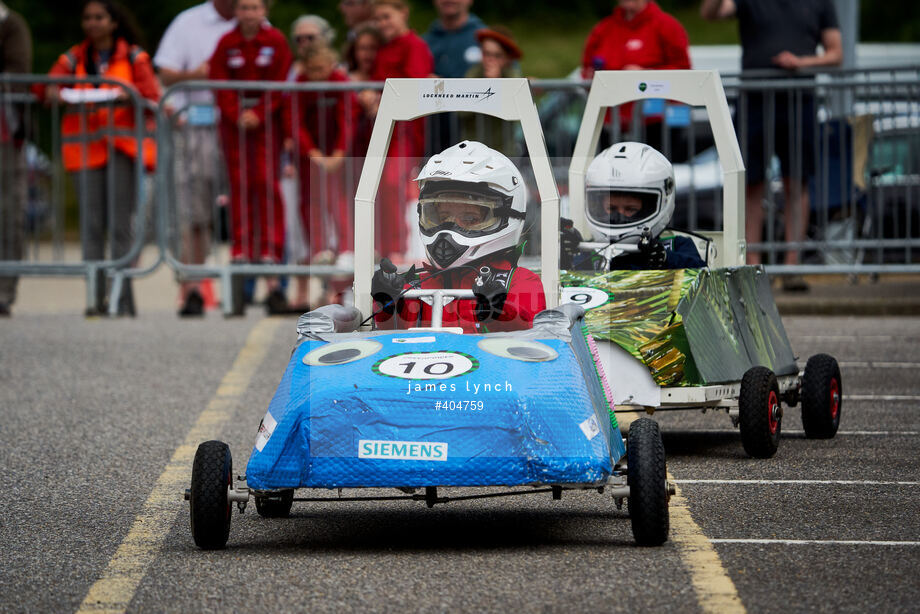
(589,298)
(341,353)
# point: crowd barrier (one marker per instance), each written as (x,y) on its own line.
(60,155)
(864,193)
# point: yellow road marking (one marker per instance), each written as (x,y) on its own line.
(715,591)
(115,589)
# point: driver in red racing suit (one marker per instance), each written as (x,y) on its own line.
(471,214)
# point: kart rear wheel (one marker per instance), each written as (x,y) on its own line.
(275,505)
(646,475)
(759,412)
(822,393)
(210,508)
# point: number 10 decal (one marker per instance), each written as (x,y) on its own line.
(426,365)
(589,298)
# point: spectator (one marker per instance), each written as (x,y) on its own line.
(323,122)
(361,61)
(248,127)
(356,13)
(310,31)
(499,60)
(15,57)
(637,36)
(452,38)
(403,55)
(781,36)
(110,50)
(183,55)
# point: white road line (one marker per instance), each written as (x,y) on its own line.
(815,542)
(801,432)
(806,482)
(872,364)
(850,337)
(881,397)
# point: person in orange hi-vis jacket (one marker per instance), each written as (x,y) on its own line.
(98,137)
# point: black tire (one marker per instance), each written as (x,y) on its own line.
(275,505)
(760,414)
(822,396)
(646,476)
(210,508)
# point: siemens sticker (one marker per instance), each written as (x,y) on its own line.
(403,450)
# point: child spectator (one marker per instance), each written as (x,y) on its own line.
(323,122)
(248,129)
(183,55)
(110,50)
(403,55)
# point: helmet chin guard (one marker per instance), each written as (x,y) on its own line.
(444,251)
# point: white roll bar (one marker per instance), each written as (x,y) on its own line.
(700,88)
(407,99)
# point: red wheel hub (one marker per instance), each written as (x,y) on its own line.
(834,398)
(773,412)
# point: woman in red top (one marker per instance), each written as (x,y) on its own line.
(403,55)
(253,51)
(109,51)
(637,36)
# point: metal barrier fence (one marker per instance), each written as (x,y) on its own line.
(856,162)
(65,147)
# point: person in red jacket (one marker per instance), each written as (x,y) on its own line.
(472,206)
(403,55)
(323,123)
(637,36)
(253,51)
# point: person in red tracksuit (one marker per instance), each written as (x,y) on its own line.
(323,123)
(472,205)
(637,36)
(403,55)
(253,51)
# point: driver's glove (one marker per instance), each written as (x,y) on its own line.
(569,238)
(656,257)
(490,295)
(386,286)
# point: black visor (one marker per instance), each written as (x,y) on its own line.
(607,207)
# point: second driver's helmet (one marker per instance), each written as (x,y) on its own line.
(629,191)
(472,203)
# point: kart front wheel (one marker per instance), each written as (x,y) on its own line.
(822,392)
(646,475)
(276,504)
(759,412)
(209,505)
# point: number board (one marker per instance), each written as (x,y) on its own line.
(426,365)
(587,297)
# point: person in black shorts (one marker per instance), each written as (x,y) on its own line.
(780,34)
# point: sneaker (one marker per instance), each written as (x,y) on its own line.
(5,310)
(194,304)
(794,283)
(276,303)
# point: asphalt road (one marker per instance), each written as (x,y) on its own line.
(92,411)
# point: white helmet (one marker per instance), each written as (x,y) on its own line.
(629,188)
(472,203)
